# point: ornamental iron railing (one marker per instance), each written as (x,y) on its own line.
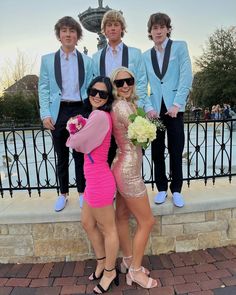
(28,159)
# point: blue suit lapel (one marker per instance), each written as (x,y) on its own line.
(57,69)
(155,64)
(125,56)
(166,57)
(102,62)
(80,68)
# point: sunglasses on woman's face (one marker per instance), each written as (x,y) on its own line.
(102,93)
(120,83)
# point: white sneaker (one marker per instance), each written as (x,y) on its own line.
(60,203)
(81,200)
(160,197)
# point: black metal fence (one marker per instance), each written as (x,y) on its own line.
(28,160)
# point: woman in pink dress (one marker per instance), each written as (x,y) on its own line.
(132,196)
(98,216)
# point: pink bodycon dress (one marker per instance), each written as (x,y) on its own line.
(94,139)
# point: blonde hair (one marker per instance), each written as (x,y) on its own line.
(114,74)
(113,16)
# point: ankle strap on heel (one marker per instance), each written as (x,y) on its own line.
(135,270)
(101,258)
(109,270)
(127,257)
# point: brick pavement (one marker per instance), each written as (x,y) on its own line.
(203,272)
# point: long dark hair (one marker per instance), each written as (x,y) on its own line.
(107,106)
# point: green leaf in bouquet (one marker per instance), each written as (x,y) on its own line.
(132,117)
(141,113)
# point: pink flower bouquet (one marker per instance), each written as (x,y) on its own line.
(75,124)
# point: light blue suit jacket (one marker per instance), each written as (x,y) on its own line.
(132,59)
(50,82)
(175,81)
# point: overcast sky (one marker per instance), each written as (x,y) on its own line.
(28,25)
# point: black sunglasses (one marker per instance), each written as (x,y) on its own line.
(102,93)
(121,82)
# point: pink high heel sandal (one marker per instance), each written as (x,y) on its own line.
(124,267)
(151,283)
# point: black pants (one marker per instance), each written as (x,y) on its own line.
(175,138)
(112,151)
(60,135)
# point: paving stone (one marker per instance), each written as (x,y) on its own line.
(186,288)
(5,290)
(46,270)
(136,292)
(35,271)
(203,272)
(57,269)
(196,277)
(176,259)
(162,291)
(225,291)
(3,281)
(173,281)
(166,261)
(17,282)
(46,282)
(13,271)
(187,259)
(156,262)
(230,281)
(65,281)
(227,254)
(208,258)
(161,274)
(208,292)
(79,268)
(73,289)
(204,267)
(24,270)
(216,254)
(197,257)
(219,273)
(210,284)
(179,271)
(4,268)
(24,291)
(48,291)
(68,269)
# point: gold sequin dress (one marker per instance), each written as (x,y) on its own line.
(126,166)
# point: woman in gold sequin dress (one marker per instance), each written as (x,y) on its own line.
(131,191)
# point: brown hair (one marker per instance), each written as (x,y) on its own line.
(161,19)
(113,16)
(68,21)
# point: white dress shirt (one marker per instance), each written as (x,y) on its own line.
(161,53)
(70,76)
(113,58)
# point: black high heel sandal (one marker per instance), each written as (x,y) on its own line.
(93,276)
(115,280)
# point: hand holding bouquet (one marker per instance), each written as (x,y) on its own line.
(74,124)
(142,131)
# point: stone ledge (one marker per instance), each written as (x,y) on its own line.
(22,209)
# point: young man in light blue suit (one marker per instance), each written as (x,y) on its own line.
(64,78)
(169,72)
(117,54)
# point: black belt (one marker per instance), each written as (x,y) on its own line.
(71,103)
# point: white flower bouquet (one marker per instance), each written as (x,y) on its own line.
(142,131)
